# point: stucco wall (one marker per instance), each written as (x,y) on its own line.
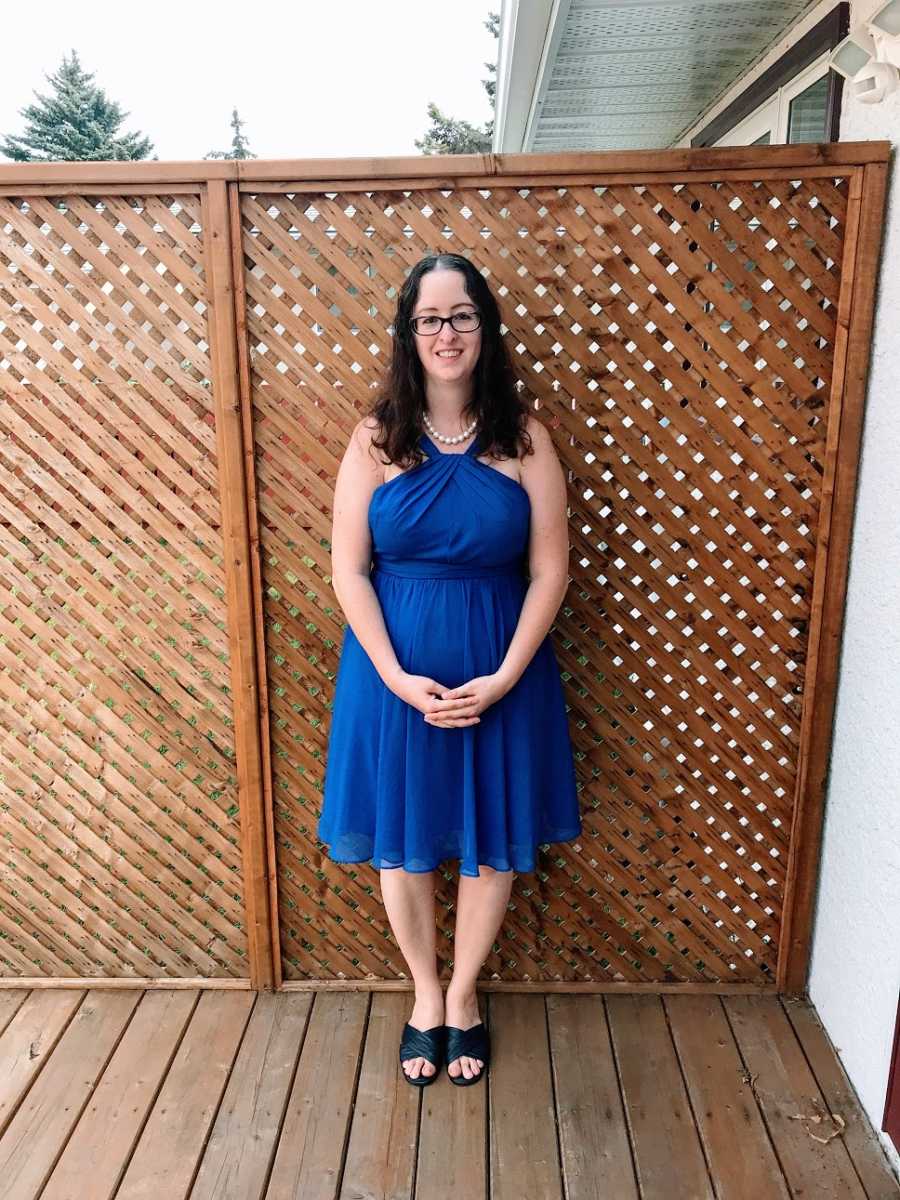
(855,968)
(855,972)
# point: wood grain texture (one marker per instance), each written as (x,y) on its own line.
(254,1097)
(855,317)
(53,1105)
(242,623)
(667,1147)
(167,1156)
(814,1162)
(121,854)
(186,347)
(593,1130)
(102,1143)
(238,1156)
(33,1031)
(736,1146)
(319,1109)
(524,1147)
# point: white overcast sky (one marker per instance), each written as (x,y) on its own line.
(310,79)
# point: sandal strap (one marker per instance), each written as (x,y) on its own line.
(423,1043)
(473,1043)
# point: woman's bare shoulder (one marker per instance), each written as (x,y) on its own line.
(364,430)
(542,468)
(361,437)
(541,440)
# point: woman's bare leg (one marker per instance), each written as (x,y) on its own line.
(408,898)
(481,905)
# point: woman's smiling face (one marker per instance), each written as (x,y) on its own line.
(447,356)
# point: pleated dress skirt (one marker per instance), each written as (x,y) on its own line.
(449,553)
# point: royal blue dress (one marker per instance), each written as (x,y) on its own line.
(449,556)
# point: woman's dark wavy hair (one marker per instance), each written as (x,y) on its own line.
(400,403)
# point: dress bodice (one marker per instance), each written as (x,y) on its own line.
(450,514)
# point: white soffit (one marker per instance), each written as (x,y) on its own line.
(623,74)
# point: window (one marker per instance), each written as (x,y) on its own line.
(807,113)
(797,112)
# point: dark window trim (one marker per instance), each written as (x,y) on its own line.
(833,28)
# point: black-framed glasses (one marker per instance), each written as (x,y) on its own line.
(462,322)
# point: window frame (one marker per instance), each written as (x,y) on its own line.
(773,115)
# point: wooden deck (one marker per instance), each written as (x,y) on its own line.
(181,1093)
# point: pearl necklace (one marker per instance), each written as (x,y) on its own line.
(451,441)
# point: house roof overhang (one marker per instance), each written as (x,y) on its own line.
(623,74)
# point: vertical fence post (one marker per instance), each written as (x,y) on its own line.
(245,393)
(242,633)
(856,309)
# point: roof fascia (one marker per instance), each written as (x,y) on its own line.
(526,29)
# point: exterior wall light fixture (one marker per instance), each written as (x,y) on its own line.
(869,57)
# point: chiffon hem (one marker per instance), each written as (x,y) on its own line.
(513,863)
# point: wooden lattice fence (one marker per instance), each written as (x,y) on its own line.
(184,349)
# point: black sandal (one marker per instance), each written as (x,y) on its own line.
(423,1043)
(468,1043)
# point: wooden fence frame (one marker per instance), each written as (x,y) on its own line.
(219,184)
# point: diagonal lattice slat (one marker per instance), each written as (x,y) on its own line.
(120,846)
(678,336)
(676,325)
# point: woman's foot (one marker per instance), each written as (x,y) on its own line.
(427,1012)
(462,1012)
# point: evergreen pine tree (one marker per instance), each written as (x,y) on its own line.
(77,123)
(449,136)
(239,145)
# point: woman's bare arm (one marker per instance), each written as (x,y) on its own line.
(351,551)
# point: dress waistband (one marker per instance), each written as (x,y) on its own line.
(418,568)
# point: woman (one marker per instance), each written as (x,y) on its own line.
(449,736)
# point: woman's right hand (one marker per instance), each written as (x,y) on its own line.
(421,691)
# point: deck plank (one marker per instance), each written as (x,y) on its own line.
(786,1090)
(593,1132)
(103,1141)
(11,1001)
(738,1152)
(245,1135)
(524,1155)
(666,1145)
(862,1142)
(453,1157)
(309,1158)
(36,1135)
(228,1095)
(169,1150)
(28,1040)
(381,1153)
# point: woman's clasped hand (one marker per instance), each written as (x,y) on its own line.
(448,708)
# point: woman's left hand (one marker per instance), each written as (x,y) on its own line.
(468,700)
